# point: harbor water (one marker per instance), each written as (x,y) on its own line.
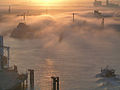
(76,58)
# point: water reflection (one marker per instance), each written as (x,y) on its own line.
(45,74)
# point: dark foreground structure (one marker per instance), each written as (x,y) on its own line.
(10,79)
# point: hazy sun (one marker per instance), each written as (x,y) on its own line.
(45,1)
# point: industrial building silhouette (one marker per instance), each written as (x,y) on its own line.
(108,3)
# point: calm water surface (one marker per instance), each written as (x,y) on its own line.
(76,60)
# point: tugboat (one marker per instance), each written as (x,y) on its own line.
(106,72)
(22,30)
(108,77)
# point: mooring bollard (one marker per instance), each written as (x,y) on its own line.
(31,78)
(55,83)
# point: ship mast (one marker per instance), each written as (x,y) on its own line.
(4,55)
(1,51)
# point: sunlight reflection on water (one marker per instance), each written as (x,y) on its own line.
(76,59)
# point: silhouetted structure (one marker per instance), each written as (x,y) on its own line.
(61,37)
(55,83)
(22,31)
(107,73)
(9,77)
(31,78)
(97,13)
(24,16)
(108,4)
(103,22)
(73,17)
(9,10)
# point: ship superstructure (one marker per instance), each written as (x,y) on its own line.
(10,79)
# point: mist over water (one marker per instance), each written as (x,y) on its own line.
(74,51)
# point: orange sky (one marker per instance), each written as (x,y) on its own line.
(41,1)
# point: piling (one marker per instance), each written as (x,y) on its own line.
(55,83)
(73,17)
(9,10)
(8,50)
(103,22)
(31,78)
(24,16)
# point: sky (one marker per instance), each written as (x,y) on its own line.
(41,1)
(38,2)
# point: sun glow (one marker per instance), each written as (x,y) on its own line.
(46,1)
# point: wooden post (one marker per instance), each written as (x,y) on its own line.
(27,82)
(31,78)
(73,17)
(8,49)
(24,16)
(15,68)
(9,10)
(103,22)
(1,52)
(23,86)
(55,83)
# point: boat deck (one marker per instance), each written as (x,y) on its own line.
(10,79)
